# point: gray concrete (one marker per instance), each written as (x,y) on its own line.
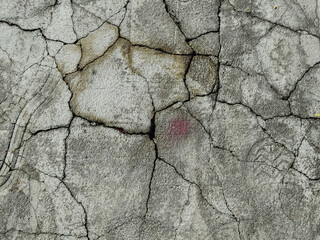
(160,120)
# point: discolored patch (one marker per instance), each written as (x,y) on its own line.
(97,42)
(107,78)
(179,128)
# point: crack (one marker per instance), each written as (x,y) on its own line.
(152,128)
(125,13)
(81,57)
(187,100)
(202,125)
(218,57)
(100,25)
(48,130)
(18,26)
(299,80)
(213,108)
(91,13)
(202,34)
(9,57)
(182,102)
(176,22)
(39,171)
(119,129)
(241,161)
(296,155)
(247,107)
(94,60)
(273,139)
(311,144)
(182,211)
(232,213)
(82,206)
(317,10)
(12,230)
(56,3)
(32,30)
(185,75)
(28,139)
(152,138)
(65,153)
(51,18)
(193,183)
(254,74)
(157,49)
(72,20)
(252,15)
(150,183)
(151,132)
(264,130)
(265,118)
(304,174)
(171,105)
(103,21)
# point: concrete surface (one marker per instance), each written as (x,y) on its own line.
(160,119)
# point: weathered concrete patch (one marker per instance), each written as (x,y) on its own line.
(121,97)
(159,119)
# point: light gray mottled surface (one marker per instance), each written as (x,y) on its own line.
(160,120)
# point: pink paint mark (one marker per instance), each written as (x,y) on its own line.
(179,128)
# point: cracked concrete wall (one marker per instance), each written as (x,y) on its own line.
(160,119)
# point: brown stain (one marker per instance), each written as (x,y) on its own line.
(84,74)
(80,80)
(162,79)
(84,79)
(87,45)
(152,56)
(60,68)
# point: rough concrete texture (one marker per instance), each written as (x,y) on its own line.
(160,120)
